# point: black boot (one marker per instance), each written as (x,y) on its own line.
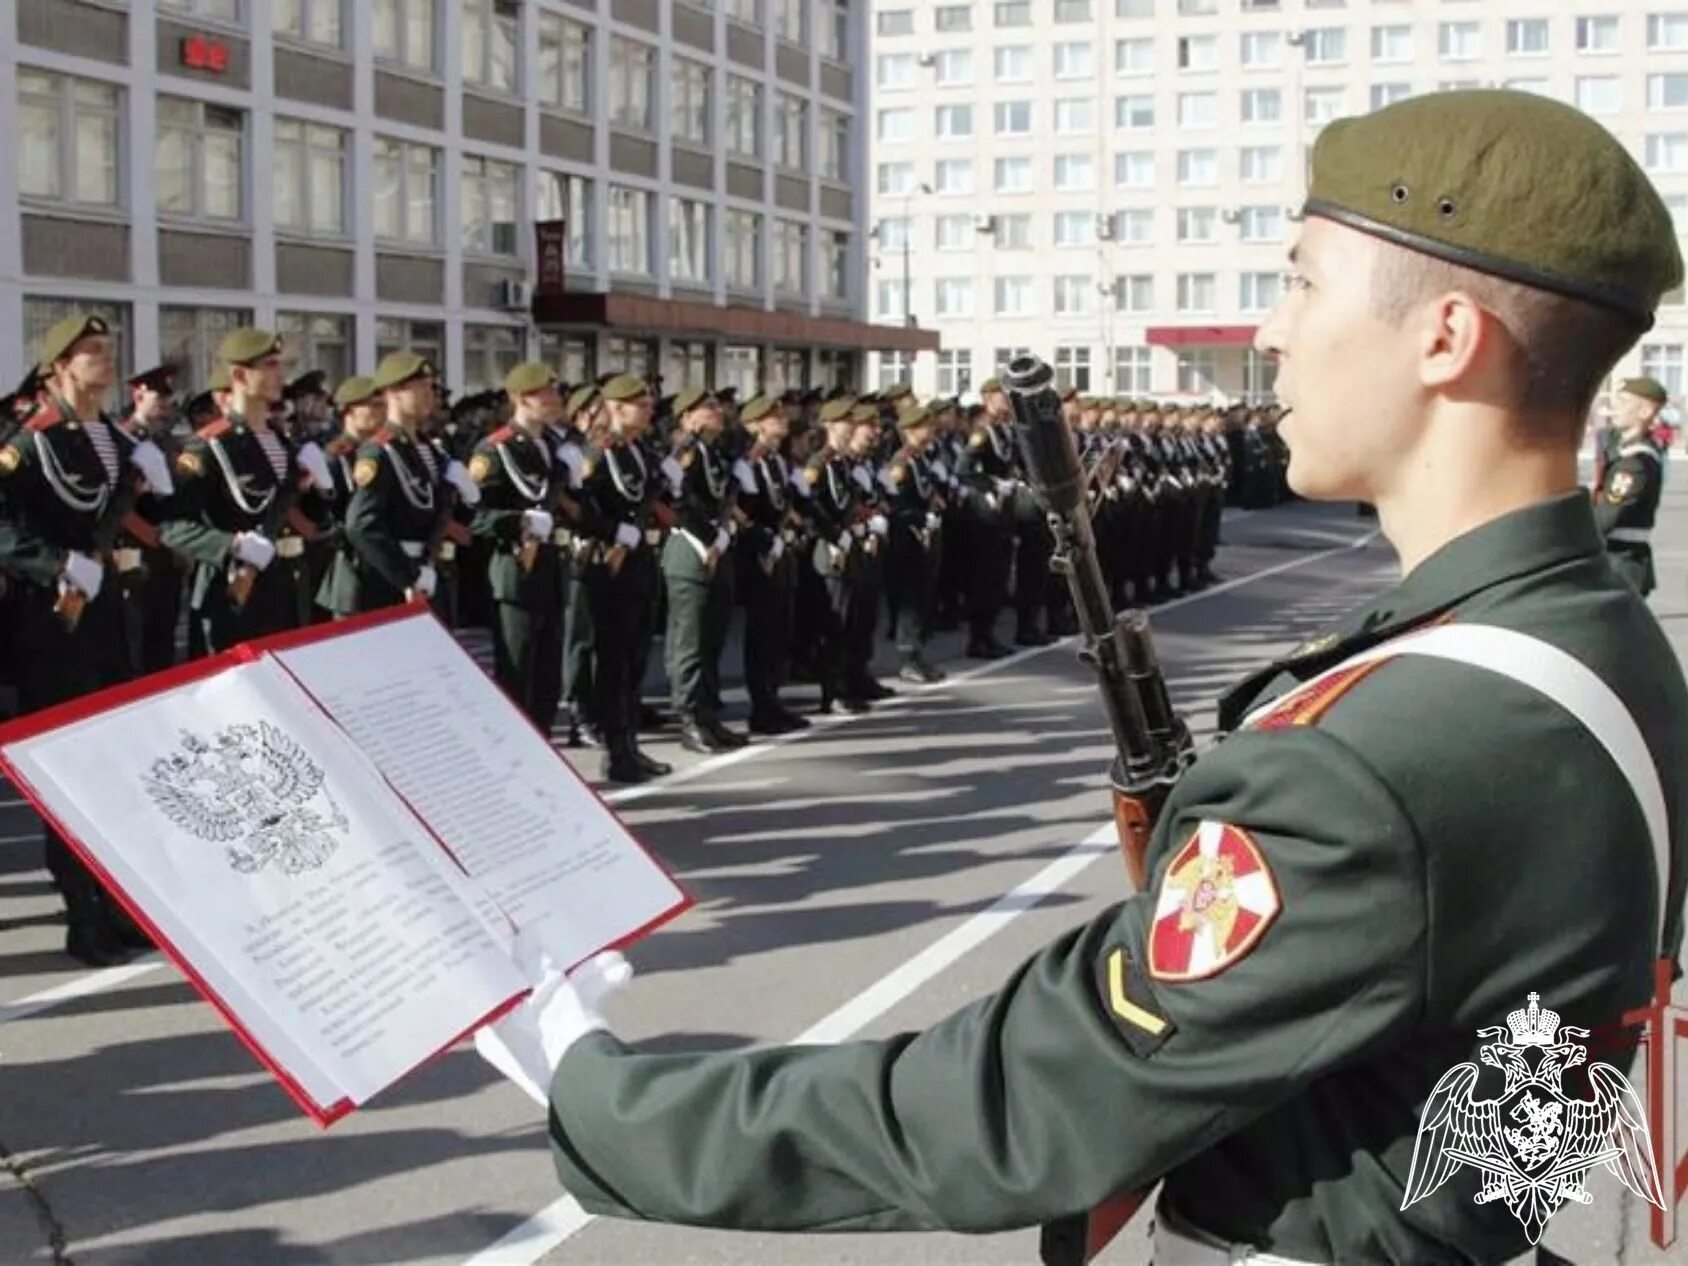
(917,670)
(695,737)
(649,767)
(722,735)
(620,765)
(986,647)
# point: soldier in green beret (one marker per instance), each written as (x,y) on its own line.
(151,573)
(913,544)
(1627,497)
(580,431)
(986,469)
(1411,823)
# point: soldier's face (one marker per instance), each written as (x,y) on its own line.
(261,380)
(1633,412)
(363,420)
(152,407)
(1332,349)
(90,363)
(862,439)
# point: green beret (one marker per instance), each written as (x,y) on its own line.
(896,392)
(989,385)
(398,368)
(864,413)
(1647,388)
(690,398)
(1508,183)
(914,415)
(625,387)
(219,378)
(837,410)
(247,346)
(757,408)
(581,398)
(530,375)
(66,334)
(355,390)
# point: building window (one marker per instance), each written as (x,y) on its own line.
(1072,367)
(1075,59)
(1012,63)
(789,370)
(1013,118)
(1322,105)
(1006,356)
(217,10)
(744,117)
(1263,224)
(489,353)
(1667,32)
(1259,375)
(564,62)
(1261,50)
(1663,361)
(1134,293)
(1014,296)
(791,21)
(894,70)
(1667,92)
(1075,228)
(1197,8)
(1197,225)
(955,296)
(68,139)
(1260,164)
(1459,41)
(632,75)
(1012,13)
(569,199)
(894,22)
(1259,292)
(1391,44)
(1326,45)
(953,176)
(1073,11)
(1131,370)
(635,356)
(1597,35)
(791,124)
(41,314)
(1075,173)
(688,101)
(1013,232)
(405,191)
(748,12)
(1197,292)
(953,17)
(791,257)
(190,336)
(1198,109)
(318,340)
(1526,37)
(893,300)
(893,233)
(629,230)
(950,122)
(1134,57)
(836,244)
(1262,106)
(1134,8)
(1135,169)
(1075,294)
(686,365)
(953,67)
(1677,205)
(310,177)
(199,159)
(688,241)
(1134,226)
(1599,94)
(741,370)
(1198,371)
(1075,116)
(955,371)
(1198,167)
(953,232)
(489,192)
(404,32)
(832,28)
(311,21)
(742,255)
(1136,112)
(425,338)
(896,178)
(893,368)
(1388,94)
(489,34)
(569,354)
(1198,52)
(834,136)
(1667,151)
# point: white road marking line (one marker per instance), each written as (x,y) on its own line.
(81,987)
(563,1217)
(527,1242)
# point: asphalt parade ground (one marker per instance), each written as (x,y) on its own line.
(864,877)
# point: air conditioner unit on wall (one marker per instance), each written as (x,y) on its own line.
(515,296)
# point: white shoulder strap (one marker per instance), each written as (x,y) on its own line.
(1568,682)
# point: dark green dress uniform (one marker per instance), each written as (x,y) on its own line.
(767,576)
(393,523)
(513,470)
(65,486)
(838,557)
(568,460)
(861,622)
(150,572)
(986,469)
(1340,895)
(1627,504)
(910,553)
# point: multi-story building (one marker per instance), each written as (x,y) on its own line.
(659,185)
(1113,183)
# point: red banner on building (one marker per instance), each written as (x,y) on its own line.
(553,241)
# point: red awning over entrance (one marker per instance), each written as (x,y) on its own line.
(1202,335)
(650,315)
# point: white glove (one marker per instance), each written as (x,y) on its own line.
(83,573)
(940,470)
(457,475)
(314,462)
(426,580)
(676,475)
(1005,487)
(933,522)
(537,524)
(149,460)
(528,1043)
(846,542)
(879,525)
(722,540)
(628,536)
(254,548)
(777,549)
(745,476)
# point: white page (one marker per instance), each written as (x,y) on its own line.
(303,891)
(521,822)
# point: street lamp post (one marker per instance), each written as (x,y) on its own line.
(908,241)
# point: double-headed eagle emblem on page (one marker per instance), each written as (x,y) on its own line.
(254,790)
(1532,1144)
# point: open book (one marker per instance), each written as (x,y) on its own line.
(337,835)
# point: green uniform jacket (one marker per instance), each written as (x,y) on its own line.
(515,475)
(393,524)
(1627,506)
(1442,841)
(56,495)
(701,508)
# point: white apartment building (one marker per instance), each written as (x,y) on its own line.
(1112,184)
(367,174)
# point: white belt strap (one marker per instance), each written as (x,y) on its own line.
(414,549)
(1564,679)
(1635,536)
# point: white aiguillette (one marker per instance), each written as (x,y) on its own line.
(337,835)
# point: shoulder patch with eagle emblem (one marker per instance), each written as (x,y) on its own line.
(480,466)
(10,459)
(363,474)
(190,463)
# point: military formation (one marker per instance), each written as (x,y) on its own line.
(575,523)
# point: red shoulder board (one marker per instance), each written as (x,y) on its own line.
(341,445)
(46,417)
(211,430)
(1306,704)
(382,438)
(502,435)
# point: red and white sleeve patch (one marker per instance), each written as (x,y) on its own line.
(1216,901)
